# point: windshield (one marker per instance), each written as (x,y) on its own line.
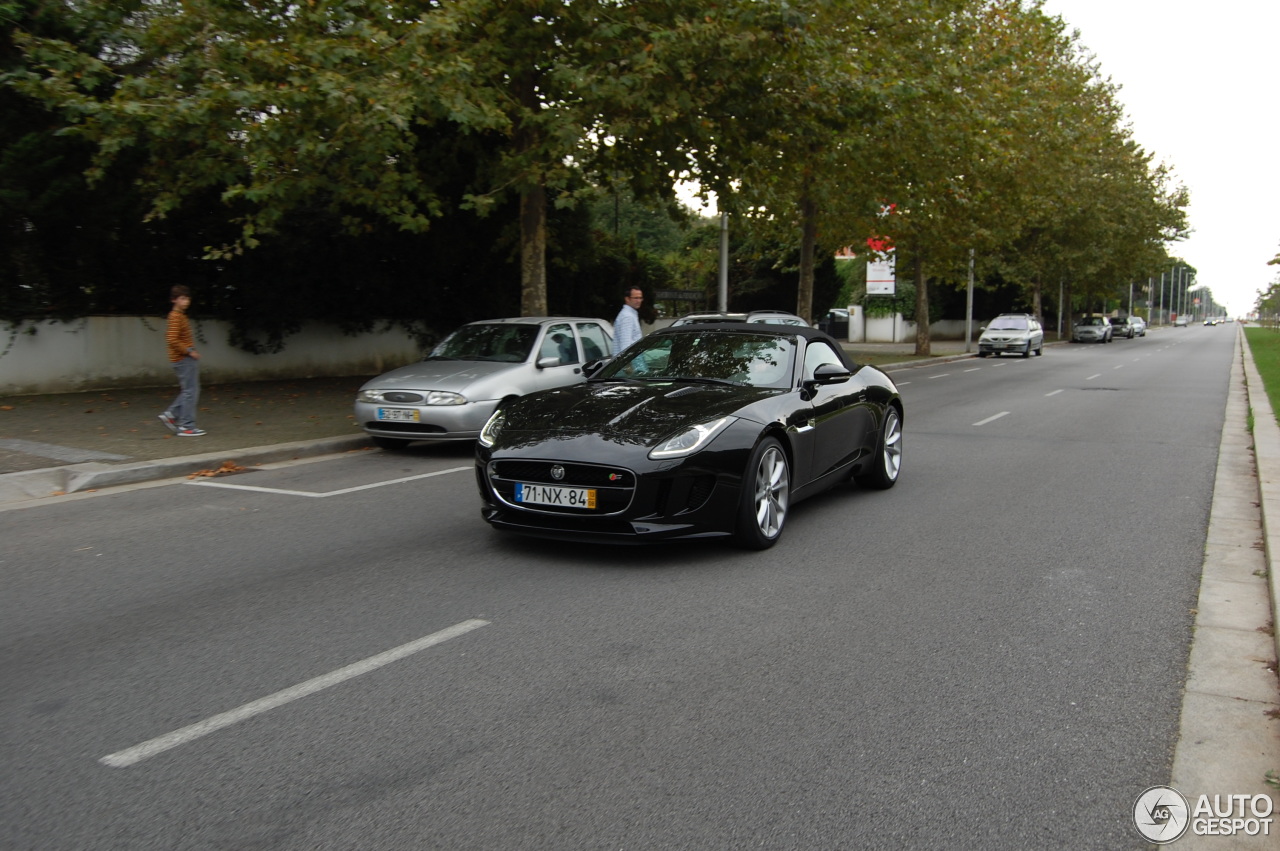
(504,343)
(752,360)
(1092,320)
(1008,323)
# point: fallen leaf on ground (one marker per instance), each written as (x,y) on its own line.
(227,468)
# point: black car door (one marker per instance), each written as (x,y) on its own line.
(832,427)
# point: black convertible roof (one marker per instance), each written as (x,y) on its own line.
(763,328)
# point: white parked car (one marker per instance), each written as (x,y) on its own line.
(1012,333)
(452,392)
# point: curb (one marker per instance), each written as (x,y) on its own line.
(1266,451)
(76,478)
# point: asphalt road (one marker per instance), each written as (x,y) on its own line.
(990,655)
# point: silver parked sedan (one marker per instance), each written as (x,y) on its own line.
(452,392)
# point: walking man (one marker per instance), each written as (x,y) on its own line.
(626,328)
(183,357)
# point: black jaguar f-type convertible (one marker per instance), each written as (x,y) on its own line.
(695,431)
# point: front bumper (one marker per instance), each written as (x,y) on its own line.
(435,422)
(659,501)
(996,345)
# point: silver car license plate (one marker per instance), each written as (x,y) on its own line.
(584,498)
(400,415)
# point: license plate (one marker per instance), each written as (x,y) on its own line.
(550,495)
(401,415)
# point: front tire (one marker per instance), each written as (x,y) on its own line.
(888,463)
(766,493)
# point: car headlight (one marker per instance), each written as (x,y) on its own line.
(690,440)
(444,397)
(493,428)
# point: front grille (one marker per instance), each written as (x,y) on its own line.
(414,428)
(401,396)
(614,486)
(575,475)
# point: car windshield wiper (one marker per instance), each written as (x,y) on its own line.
(702,379)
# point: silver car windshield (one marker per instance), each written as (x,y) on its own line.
(1008,323)
(491,342)
(752,360)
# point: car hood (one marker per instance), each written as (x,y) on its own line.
(636,411)
(455,375)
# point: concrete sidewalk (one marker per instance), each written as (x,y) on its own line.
(68,442)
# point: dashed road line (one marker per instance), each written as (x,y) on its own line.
(992,419)
(137,753)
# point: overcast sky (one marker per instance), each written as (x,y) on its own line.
(1201,85)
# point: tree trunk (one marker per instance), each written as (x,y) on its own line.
(922,306)
(533,252)
(533,204)
(808,240)
(1037,307)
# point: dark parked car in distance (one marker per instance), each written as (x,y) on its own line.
(1127,327)
(698,431)
(835,323)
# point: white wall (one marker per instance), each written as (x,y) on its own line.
(895,329)
(100,352)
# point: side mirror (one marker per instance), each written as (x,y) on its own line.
(831,373)
(591,367)
(983,328)
(543,363)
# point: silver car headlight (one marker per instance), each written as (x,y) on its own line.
(444,397)
(493,428)
(690,440)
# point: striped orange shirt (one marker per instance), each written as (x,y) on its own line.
(178,337)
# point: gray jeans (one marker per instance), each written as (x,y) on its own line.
(183,406)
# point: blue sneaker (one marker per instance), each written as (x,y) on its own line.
(190,432)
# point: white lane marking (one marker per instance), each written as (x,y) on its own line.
(209,484)
(943,375)
(137,753)
(991,419)
(1118,366)
(1053,392)
(975,369)
(1095,375)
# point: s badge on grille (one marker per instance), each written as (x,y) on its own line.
(557,472)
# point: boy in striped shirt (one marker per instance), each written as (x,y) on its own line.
(183,357)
